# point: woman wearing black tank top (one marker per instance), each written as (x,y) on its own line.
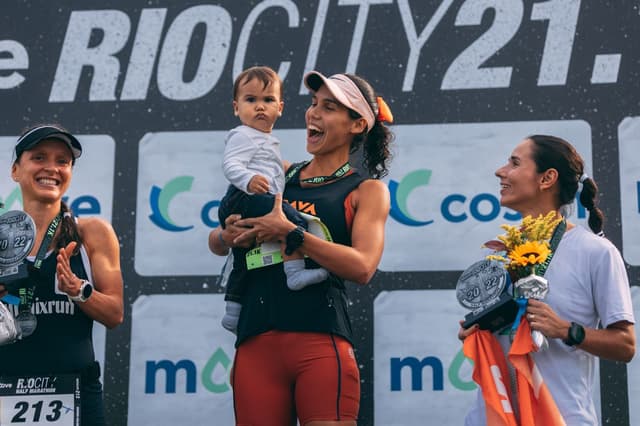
(294,358)
(73,279)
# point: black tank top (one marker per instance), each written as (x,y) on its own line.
(269,304)
(62,340)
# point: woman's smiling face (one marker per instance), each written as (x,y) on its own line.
(44,171)
(329,125)
(519,179)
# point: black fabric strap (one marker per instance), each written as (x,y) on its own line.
(26,293)
(555,241)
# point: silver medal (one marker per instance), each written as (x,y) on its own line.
(17,234)
(481,284)
(27,323)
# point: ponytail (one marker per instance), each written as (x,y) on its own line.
(589,199)
(68,229)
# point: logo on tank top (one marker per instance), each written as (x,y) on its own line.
(49,307)
(303,206)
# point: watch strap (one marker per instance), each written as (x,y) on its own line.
(576,334)
(85,287)
(294,240)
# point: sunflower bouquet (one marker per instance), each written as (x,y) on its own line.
(525,249)
(526,252)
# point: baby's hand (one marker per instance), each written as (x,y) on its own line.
(258,185)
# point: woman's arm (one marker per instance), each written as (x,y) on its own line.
(617,342)
(105,304)
(217,244)
(221,240)
(356,263)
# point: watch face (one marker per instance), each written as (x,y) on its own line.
(87,289)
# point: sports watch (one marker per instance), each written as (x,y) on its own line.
(86,290)
(295,238)
(576,335)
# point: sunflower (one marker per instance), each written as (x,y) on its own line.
(530,253)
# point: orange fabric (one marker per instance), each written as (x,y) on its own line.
(536,406)
(349,211)
(384,112)
(535,402)
(279,376)
(491,374)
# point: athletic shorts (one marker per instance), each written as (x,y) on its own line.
(279,376)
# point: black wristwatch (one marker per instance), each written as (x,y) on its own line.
(576,335)
(295,238)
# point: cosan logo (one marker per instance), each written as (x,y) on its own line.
(161,198)
(454,208)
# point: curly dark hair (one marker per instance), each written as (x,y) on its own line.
(375,142)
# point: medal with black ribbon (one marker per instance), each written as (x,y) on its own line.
(27,319)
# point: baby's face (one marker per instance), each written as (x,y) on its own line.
(258,106)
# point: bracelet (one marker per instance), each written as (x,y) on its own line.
(224,244)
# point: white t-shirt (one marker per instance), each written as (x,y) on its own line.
(588,284)
(249,152)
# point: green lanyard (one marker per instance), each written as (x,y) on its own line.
(555,240)
(317,180)
(26,293)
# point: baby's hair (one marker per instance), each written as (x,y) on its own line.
(265,74)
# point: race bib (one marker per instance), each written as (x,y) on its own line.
(40,400)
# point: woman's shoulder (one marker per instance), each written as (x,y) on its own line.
(585,240)
(373,192)
(94,229)
(373,187)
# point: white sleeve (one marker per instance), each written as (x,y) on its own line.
(611,292)
(238,151)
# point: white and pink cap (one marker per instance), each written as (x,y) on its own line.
(345,91)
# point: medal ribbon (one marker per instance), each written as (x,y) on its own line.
(341,171)
(316,180)
(26,293)
(540,270)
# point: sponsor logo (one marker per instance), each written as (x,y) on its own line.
(454,208)
(161,198)
(82,205)
(400,192)
(416,365)
(188,369)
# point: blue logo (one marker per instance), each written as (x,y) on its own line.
(416,367)
(161,198)
(400,193)
(456,207)
(188,369)
(82,205)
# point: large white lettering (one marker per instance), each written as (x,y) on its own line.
(358,31)
(77,53)
(243,41)
(18,60)
(314,43)
(176,46)
(416,42)
(143,54)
